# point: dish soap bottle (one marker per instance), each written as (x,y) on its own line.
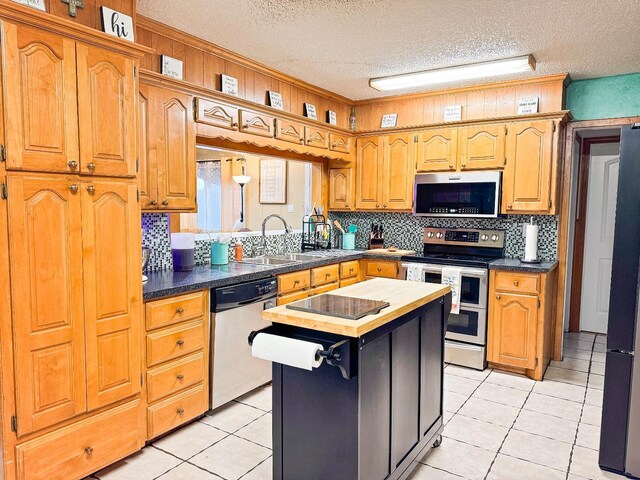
(237,251)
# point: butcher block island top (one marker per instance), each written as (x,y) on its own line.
(402,296)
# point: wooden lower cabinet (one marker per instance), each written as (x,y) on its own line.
(177,361)
(283,299)
(296,286)
(381,268)
(521,317)
(83,447)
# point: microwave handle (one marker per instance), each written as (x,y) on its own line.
(469,272)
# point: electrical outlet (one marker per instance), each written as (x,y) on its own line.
(291,208)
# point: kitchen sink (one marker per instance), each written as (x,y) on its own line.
(299,257)
(269,261)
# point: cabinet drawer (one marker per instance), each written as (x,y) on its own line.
(174,342)
(256,123)
(382,269)
(339,143)
(291,297)
(168,311)
(349,269)
(175,376)
(289,131)
(217,114)
(324,288)
(294,281)
(348,281)
(316,137)
(176,410)
(82,448)
(324,275)
(517,282)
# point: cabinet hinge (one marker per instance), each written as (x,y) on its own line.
(135,72)
(3,153)
(138,195)
(550,203)
(506,129)
(539,303)
(3,191)
(14,424)
(195,109)
(137,165)
(553,129)
(140,379)
(536,361)
(505,161)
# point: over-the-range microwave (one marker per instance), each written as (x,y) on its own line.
(471,194)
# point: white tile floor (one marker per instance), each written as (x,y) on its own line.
(498,427)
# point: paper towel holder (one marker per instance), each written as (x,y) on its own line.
(535,260)
(337,355)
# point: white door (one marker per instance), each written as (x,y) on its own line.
(599,229)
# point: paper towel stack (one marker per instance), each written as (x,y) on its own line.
(287,351)
(531,242)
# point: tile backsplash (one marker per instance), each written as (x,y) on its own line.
(401,229)
(405,230)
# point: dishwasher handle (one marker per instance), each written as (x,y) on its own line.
(223,307)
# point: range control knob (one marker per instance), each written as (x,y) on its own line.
(484,237)
(439,235)
(495,237)
(430,234)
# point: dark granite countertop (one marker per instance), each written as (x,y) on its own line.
(166,283)
(515,264)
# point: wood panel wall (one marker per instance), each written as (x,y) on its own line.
(90,14)
(204,62)
(478,103)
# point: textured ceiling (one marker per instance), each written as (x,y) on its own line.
(340,44)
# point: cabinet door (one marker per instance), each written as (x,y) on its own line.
(41,118)
(46,288)
(513,322)
(397,172)
(437,150)
(256,123)
(176,161)
(112,289)
(106,112)
(482,147)
(527,177)
(217,114)
(316,137)
(147,150)
(368,163)
(339,143)
(292,132)
(340,188)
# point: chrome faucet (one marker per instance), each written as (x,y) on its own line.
(287,228)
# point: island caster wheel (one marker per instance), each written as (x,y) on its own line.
(438,442)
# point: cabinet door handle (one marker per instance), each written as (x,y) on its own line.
(516,283)
(72,164)
(91,166)
(509,206)
(245,126)
(91,189)
(379,269)
(165,202)
(384,205)
(451,167)
(153,203)
(301,141)
(73,188)
(464,165)
(88,450)
(180,377)
(179,310)
(346,205)
(180,411)
(377,205)
(498,297)
(234,125)
(180,343)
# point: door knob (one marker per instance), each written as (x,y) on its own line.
(88,450)
(301,140)
(451,167)
(384,205)
(510,206)
(73,188)
(180,377)
(165,202)
(180,343)
(180,411)
(234,125)
(377,205)
(72,164)
(91,189)
(516,283)
(179,310)
(498,297)
(153,203)
(91,166)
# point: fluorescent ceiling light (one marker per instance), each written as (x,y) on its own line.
(493,68)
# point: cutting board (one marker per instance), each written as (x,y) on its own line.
(385,251)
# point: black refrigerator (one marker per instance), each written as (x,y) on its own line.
(620,433)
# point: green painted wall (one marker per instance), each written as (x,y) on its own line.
(605,97)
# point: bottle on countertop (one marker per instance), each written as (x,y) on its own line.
(237,251)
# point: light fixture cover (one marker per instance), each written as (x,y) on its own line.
(241,179)
(492,68)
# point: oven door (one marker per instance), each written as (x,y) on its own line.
(469,326)
(473,288)
(473,194)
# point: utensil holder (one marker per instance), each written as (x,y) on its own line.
(219,253)
(349,241)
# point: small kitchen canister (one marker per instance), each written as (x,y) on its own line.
(349,241)
(220,250)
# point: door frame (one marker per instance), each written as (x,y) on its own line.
(572,128)
(579,222)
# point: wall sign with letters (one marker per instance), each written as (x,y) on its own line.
(527,105)
(229,85)
(37,4)
(452,113)
(310,111)
(332,118)
(275,100)
(171,67)
(389,120)
(117,24)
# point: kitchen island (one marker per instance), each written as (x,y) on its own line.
(373,408)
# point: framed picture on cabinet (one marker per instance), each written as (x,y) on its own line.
(310,111)
(389,120)
(273,181)
(171,67)
(275,100)
(229,85)
(117,24)
(37,4)
(332,118)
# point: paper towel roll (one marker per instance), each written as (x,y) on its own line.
(287,351)
(531,242)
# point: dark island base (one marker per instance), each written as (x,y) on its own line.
(375,416)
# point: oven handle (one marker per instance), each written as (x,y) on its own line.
(467,272)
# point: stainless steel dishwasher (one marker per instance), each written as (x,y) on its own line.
(236,312)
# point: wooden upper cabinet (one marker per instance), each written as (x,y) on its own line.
(217,114)
(174,129)
(482,148)
(368,166)
(396,179)
(340,188)
(256,123)
(147,150)
(288,131)
(339,143)
(46,287)
(513,323)
(528,179)
(106,112)
(316,137)
(40,116)
(112,289)
(437,150)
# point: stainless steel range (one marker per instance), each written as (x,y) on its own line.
(471,251)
